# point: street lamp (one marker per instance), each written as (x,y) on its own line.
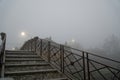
(73,40)
(26,35)
(13,48)
(23,33)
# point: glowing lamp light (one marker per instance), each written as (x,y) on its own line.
(13,48)
(23,34)
(73,40)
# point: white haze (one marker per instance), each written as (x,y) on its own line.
(89,22)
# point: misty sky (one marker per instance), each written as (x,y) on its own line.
(89,22)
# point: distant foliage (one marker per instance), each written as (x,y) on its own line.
(112,47)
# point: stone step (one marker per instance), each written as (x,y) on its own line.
(57,79)
(27,67)
(20,53)
(6,79)
(24,59)
(37,76)
(22,56)
(29,72)
(31,64)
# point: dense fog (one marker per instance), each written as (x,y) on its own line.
(92,25)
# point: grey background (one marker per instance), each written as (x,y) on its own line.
(89,22)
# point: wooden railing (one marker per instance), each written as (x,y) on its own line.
(74,63)
(2,54)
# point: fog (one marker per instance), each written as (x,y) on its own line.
(88,22)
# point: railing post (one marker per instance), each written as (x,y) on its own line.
(62,58)
(2,54)
(28,45)
(35,43)
(41,47)
(84,67)
(31,44)
(48,51)
(88,67)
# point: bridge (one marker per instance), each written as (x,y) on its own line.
(41,59)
